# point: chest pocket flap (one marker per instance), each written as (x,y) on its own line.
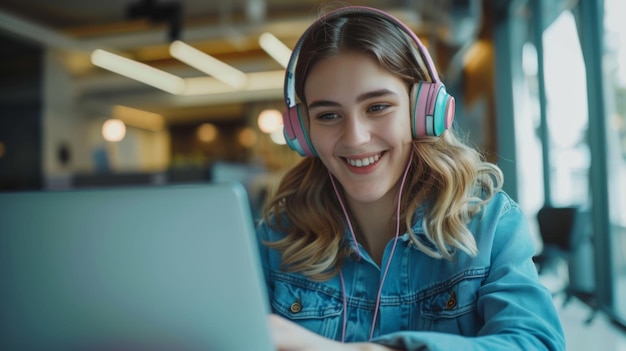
(454,297)
(297,298)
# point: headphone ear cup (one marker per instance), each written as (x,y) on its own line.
(295,132)
(418,119)
(443,113)
(417,98)
(432,109)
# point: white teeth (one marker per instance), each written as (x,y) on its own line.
(364,162)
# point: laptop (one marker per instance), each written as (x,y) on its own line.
(171,267)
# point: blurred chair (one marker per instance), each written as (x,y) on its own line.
(567,237)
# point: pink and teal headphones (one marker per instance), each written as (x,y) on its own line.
(432,108)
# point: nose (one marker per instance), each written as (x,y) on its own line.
(356,130)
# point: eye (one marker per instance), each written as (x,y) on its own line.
(378,108)
(327,116)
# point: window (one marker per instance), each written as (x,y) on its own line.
(614,66)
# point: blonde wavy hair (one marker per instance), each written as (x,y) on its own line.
(450,180)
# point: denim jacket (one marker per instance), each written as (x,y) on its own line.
(493,301)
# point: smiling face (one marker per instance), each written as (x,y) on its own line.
(359,124)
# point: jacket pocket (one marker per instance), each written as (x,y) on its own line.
(312,305)
(450,306)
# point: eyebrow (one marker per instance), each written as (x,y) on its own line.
(362,97)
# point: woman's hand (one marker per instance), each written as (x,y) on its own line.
(289,336)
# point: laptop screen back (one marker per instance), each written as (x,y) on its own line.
(164,268)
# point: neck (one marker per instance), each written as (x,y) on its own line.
(375,223)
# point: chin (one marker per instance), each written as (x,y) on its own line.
(367,195)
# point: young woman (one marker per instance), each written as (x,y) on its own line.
(392,234)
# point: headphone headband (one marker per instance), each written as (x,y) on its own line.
(289,85)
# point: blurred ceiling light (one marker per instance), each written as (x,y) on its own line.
(138,71)
(113,130)
(275,48)
(266,80)
(206,86)
(278,137)
(256,81)
(139,118)
(270,120)
(208,64)
(207,132)
(247,137)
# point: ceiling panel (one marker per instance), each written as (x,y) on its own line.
(226,29)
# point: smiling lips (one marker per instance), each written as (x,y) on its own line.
(363,162)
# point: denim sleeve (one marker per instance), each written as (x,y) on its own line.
(517,310)
(262,236)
